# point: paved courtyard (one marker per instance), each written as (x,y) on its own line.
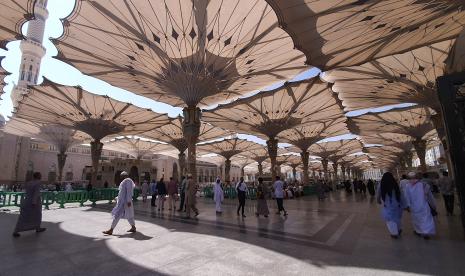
(341,236)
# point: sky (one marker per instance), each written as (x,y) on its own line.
(62,73)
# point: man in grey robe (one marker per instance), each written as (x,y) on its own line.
(30,216)
(124,207)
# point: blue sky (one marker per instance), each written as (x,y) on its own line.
(62,73)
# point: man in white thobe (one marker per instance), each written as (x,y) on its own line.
(124,207)
(420,203)
(218,195)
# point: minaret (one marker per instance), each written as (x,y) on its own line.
(32,51)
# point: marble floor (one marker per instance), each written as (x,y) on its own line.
(343,235)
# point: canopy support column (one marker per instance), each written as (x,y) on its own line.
(335,165)
(325,168)
(304,155)
(242,171)
(272,145)
(260,169)
(420,148)
(95,151)
(294,172)
(343,170)
(61,164)
(191,130)
(227,171)
(182,164)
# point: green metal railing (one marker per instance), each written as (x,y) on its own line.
(8,199)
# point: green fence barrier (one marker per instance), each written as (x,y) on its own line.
(252,193)
(309,190)
(9,199)
(208,192)
(230,192)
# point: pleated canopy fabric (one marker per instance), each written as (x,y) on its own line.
(61,137)
(173,134)
(180,52)
(412,121)
(294,160)
(306,135)
(135,146)
(13,14)
(334,150)
(350,160)
(75,108)
(268,113)
(229,147)
(455,62)
(241,161)
(407,77)
(397,140)
(351,32)
(259,155)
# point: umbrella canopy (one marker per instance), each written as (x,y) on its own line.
(180,52)
(183,53)
(407,77)
(136,146)
(13,14)
(411,121)
(336,149)
(269,113)
(351,32)
(61,137)
(228,148)
(98,116)
(305,135)
(173,133)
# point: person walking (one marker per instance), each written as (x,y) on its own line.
(145,190)
(30,216)
(218,195)
(371,187)
(262,194)
(241,188)
(124,207)
(446,187)
(153,192)
(279,195)
(182,191)
(420,203)
(389,195)
(172,193)
(161,190)
(191,191)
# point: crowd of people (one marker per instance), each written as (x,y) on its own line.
(414,194)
